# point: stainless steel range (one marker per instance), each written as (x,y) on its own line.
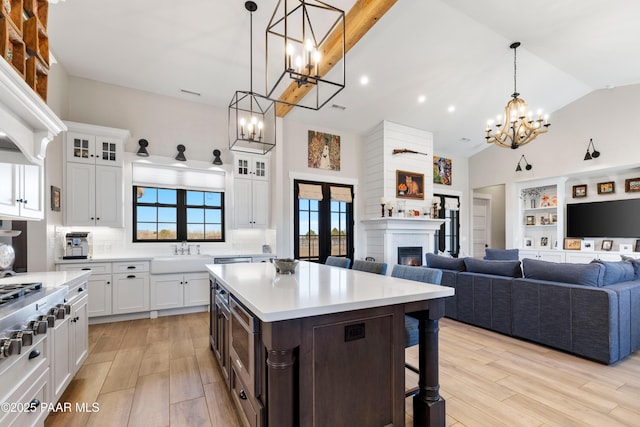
(27,310)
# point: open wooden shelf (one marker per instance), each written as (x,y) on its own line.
(39,8)
(12,11)
(37,76)
(36,39)
(12,48)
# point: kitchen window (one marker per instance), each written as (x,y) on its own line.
(176,215)
(323,223)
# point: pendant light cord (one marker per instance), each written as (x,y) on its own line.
(515,70)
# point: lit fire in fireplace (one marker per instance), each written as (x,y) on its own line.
(410,255)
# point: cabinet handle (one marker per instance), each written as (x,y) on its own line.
(92,218)
(19,200)
(24,201)
(86,268)
(97,219)
(131,267)
(34,353)
(33,405)
(108,283)
(242,395)
(131,276)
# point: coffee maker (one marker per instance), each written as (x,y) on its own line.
(77,245)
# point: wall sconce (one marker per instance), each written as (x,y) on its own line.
(180,155)
(527,167)
(594,154)
(216,157)
(142,151)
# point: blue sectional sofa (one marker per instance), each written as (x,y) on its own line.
(590,310)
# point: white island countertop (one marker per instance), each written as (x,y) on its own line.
(316,289)
(49,279)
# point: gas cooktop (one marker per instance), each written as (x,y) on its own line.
(11,292)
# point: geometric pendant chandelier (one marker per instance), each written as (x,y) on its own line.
(305,48)
(252,117)
(517,126)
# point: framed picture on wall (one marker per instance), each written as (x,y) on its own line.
(587,245)
(631,185)
(571,244)
(607,245)
(409,185)
(528,242)
(531,220)
(545,242)
(55,199)
(606,187)
(579,191)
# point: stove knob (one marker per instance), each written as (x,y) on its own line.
(10,347)
(26,336)
(49,319)
(67,308)
(56,313)
(38,327)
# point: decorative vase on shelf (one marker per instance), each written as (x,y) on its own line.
(533,203)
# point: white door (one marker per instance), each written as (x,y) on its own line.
(80,205)
(32,185)
(481,220)
(108,196)
(196,289)
(167,291)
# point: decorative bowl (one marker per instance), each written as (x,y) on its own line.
(285,265)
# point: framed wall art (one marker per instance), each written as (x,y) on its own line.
(625,248)
(579,191)
(441,170)
(631,185)
(323,151)
(545,242)
(571,244)
(606,187)
(528,242)
(607,245)
(531,220)
(587,245)
(55,199)
(409,185)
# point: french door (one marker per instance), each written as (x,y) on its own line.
(323,223)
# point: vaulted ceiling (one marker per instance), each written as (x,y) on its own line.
(454,53)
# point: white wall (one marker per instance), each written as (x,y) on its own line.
(609,116)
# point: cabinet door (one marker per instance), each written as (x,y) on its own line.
(9,189)
(243,203)
(553,256)
(108,196)
(99,295)
(196,289)
(80,148)
(61,362)
(108,151)
(260,168)
(130,293)
(79,346)
(79,207)
(167,291)
(580,258)
(32,192)
(260,204)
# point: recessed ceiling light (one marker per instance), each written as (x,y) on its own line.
(451,108)
(364,80)
(422,99)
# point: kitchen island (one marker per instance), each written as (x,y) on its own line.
(324,346)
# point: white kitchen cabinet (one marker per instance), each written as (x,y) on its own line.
(94,191)
(130,293)
(179,290)
(251,191)
(553,256)
(79,333)
(100,295)
(61,369)
(21,192)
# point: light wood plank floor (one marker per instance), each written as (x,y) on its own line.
(160,372)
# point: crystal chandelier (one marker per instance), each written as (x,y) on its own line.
(304,40)
(517,126)
(252,117)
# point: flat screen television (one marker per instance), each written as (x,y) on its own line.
(615,218)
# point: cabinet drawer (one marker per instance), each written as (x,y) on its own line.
(238,390)
(131,266)
(95,267)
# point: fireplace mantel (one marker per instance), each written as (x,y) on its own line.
(384,235)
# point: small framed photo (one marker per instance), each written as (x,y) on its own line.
(531,220)
(571,244)
(409,185)
(637,247)
(631,185)
(544,219)
(579,191)
(608,244)
(625,248)
(587,245)
(528,242)
(545,242)
(55,199)
(606,187)
(553,218)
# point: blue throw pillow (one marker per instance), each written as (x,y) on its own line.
(443,262)
(635,263)
(615,272)
(495,267)
(578,274)
(501,254)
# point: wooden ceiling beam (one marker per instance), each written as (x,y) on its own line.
(359,20)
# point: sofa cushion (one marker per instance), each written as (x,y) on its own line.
(578,274)
(501,254)
(614,272)
(495,267)
(444,263)
(635,263)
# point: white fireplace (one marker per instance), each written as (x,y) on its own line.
(384,235)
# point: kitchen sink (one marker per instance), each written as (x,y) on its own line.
(180,263)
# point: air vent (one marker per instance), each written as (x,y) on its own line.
(339,107)
(190,92)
